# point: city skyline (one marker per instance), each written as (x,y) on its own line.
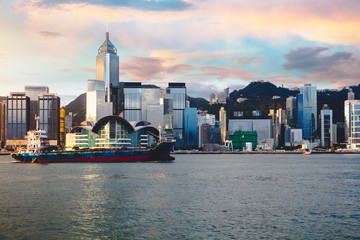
(208,45)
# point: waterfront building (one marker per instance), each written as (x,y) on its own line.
(3,120)
(49,116)
(113,131)
(241,139)
(222,119)
(33,92)
(294,136)
(326,116)
(334,131)
(96,106)
(190,126)
(168,112)
(352,123)
(62,127)
(307,111)
(261,126)
(203,134)
(107,70)
(215,133)
(347,113)
(152,107)
(291,112)
(178,91)
(132,101)
(68,122)
(18,118)
(205,118)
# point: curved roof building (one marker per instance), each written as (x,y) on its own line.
(113,131)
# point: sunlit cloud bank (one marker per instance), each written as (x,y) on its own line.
(200,42)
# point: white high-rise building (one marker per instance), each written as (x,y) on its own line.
(96,107)
(352,122)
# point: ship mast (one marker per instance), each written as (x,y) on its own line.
(37,118)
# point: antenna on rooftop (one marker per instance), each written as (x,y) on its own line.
(107,24)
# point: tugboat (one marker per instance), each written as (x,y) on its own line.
(307,152)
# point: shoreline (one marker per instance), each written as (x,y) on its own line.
(257,152)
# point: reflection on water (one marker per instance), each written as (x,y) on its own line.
(198,197)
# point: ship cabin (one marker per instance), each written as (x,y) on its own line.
(113,132)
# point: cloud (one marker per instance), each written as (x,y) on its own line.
(338,69)
(50,34)
(314,59)
(143,68)
(65,70)
(180,69)
(150,68)
(148,5)
(87,69)
(247,60)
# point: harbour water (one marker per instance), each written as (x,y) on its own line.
(196,197)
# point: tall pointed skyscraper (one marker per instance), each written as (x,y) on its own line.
(107,70)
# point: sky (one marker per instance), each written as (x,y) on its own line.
(210,45)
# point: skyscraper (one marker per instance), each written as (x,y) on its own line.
(326,115)
(352,121)
(33,92)
(96,106)
(132,101)
(18,113)
(107,70)
(307,111)
(190,126)
(178,91)
(222,119)
(291,111)
(49,115)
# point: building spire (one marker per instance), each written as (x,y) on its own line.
(107,46)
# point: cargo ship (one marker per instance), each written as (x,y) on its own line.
(36,153)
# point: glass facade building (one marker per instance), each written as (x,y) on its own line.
(326,116)
(33,92)
(3,120)
(107,70)
(291,111)
(190,127)
(112,132)
(132,102)
(18,115)
(307,111)
(178,92)
(49,115)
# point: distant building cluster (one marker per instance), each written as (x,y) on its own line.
(222,97)
(120,114)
